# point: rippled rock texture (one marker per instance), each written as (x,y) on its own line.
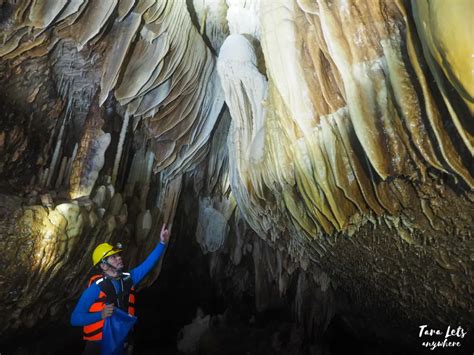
(341,132)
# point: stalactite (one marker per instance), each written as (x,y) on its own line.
(148,170)
(67,175)
(90,157)
(118,156)
(58,147)
(212,228)
(335,146)
(44,177)
(62,170)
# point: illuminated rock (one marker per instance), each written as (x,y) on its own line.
(345,144)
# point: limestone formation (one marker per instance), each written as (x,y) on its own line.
(340,132)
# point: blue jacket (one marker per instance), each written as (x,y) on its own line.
(81,315)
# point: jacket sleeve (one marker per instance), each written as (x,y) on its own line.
(81,315)
(137,274)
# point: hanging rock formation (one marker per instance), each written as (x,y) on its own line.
(345,143)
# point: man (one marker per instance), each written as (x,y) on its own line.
(112,288)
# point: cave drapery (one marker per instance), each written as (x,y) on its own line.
(340,132)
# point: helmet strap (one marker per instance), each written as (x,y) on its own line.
(118,271)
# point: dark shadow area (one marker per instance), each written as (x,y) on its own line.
(234,326)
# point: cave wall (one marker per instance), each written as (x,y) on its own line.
(345,145)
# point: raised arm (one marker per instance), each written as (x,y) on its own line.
(144,268)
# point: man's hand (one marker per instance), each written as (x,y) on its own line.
(107,311)
(164,235)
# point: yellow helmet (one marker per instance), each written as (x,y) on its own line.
(102,251)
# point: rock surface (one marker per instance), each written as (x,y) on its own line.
(339,132)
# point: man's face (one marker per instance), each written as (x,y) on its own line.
(116,261)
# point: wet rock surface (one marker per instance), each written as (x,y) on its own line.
(312,157)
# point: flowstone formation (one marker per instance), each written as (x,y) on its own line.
(114,91)
(345,156)
(340,132)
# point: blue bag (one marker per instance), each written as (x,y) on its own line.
(115,331)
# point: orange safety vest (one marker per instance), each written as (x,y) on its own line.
(108,295)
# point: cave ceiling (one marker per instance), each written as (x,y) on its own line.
(340,131)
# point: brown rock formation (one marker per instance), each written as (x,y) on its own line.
(346,144)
